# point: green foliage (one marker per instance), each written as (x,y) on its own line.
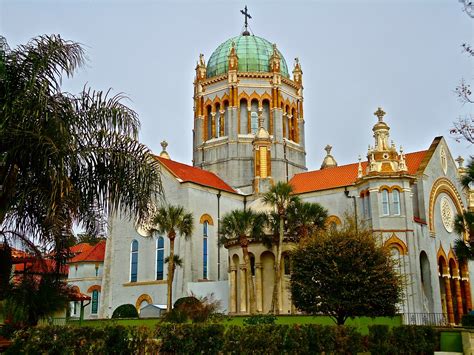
(304,219)
(125,311)
(468,320)
(84,340)
(66,158)
(34,298)
(190,338)
(260,319)
(217,338)
(344,273)
(5,269)
(188,301)
(406,339)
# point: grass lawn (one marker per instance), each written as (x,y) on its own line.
(361,323)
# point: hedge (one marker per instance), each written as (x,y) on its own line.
(217,338)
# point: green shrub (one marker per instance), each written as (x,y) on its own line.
(186,302)
(190,338)
(468,320)
(321,338)
(379,341)
(125,311)
(348,340)
(409,339)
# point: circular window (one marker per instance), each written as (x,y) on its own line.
(447,214)
(385,156)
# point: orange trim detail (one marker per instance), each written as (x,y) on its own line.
(396,242)
(94,288)
(144,297)
(206,218)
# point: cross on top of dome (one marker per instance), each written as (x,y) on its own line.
(379,113)
(246,16)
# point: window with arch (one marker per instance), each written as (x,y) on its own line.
(160,258)
(134,261)
(396,202)
(252,264)
(286,264)
(385,203)
(254,122)
(205,227)
(95,302)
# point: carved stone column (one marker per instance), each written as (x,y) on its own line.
(233,289)
(449,298)
(213,125)
(457,287)
(243,289)
(258,286)
(467,292)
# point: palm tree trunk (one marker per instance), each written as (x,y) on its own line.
(250,285)
(170,274)
(276,286)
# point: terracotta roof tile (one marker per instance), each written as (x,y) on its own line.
(344,175)
(80,248)
(96,253)
(198,176)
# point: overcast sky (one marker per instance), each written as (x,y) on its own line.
(356,55)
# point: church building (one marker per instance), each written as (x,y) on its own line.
(249,133)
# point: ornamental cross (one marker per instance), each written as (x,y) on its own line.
(379,113)
(247,16)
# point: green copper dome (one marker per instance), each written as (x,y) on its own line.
(254,55)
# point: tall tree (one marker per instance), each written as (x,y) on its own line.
(344,273)
(281,197)
(65,158)
(172,220)
(239,226)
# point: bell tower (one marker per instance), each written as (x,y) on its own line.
(248,114)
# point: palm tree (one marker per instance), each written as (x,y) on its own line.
(238,226)
(172,220)
(281,197)
(464,222)
(305,218)
(65,158)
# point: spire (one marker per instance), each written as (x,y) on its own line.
(359,169)
(329,161)
(297,72)
(164,153)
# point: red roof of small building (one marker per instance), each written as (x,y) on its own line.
(80,248)
(344,175)
(95,253)
(195,175)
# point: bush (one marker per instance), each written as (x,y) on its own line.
(217,338)
(125,311)
(467,320)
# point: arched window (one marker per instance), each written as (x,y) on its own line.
(286,264)
(396,202)
(95,302)
(204,249)
(134,261)
(385,206)
(160,258)
(254,122)
(252,264)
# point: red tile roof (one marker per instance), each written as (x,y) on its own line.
(195,175)
(344,175)
(95,253)
(80,248)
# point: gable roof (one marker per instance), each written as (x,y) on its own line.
(187,173)
(96,253)
(344,175)
(80,248)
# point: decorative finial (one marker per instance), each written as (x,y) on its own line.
(460,161)
(359,168)
(164,153)
(246,16)
(379,113)
(260,121)
(328,149)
